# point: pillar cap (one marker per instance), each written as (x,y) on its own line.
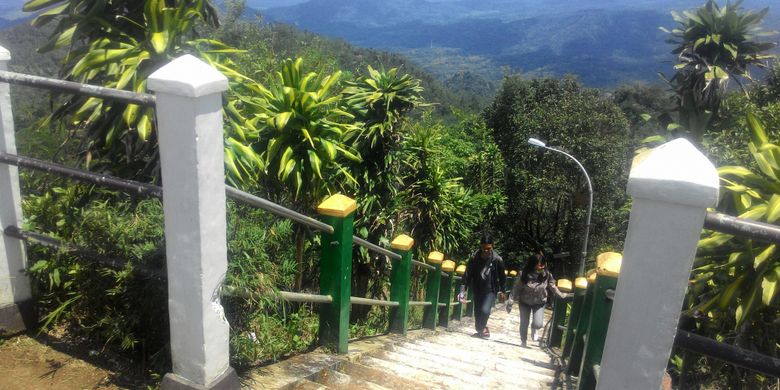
(675,172)
(402,243)
(187,76)
(581,283)
(564,285)
(448,266)
(337,206)
(512,273)
(609,264)
(591,276)
(5,55)
(461,269)
(435,257)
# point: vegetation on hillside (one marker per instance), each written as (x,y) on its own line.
(307,117)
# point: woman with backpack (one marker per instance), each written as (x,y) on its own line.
(531,290)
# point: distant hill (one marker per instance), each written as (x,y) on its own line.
(604,42)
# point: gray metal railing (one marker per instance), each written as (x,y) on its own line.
(143,99)
(371,302)
(755,230)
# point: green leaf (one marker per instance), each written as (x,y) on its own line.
(764,255)
(36,5)
(773,209)
(315,162)
(729,295)
(769,286)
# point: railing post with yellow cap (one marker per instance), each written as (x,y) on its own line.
(606,281)
(582,326)
(399,283)
(559,314)
(445,293)
(580,289)
(432,290)
(336,271)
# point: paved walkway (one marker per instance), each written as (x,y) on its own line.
(442,359)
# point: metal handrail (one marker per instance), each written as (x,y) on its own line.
(423,265)
(375,248)
(288,296)
(51,242)
(150,190)
(728,353)
(143,99)
(759,231)
(419,303)
(371,302)
(276,209)
(129,187)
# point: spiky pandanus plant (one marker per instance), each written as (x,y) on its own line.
(714,45)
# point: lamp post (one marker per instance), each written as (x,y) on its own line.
(539,143)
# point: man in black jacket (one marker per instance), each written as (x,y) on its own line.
(485,276)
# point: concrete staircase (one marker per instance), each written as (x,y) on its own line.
(424,359)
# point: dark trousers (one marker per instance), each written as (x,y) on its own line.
(483,303)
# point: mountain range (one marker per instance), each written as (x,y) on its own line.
(604,42)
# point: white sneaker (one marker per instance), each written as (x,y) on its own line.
(534,336)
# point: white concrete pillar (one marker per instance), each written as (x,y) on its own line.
(15,294)
(671,186)
(189,118)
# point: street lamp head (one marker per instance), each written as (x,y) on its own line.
(536,142)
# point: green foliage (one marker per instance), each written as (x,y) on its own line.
(301,130)
(119,44)
(742,274)
(94,283)
(381,99)
(714,45)
(438,211)
(546,192)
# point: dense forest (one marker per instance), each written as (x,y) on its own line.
(441,165)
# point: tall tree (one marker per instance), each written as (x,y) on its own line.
(546,192)
(301,137)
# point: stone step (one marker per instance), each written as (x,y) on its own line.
(408,372)
(305,384)
(486,359)
(441,369)
(484,369)
(341,381)
(384,378)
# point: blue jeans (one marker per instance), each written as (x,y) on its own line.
(525,313)
(483,303)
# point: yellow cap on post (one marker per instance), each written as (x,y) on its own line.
(512,273)
(460,270)
(337,206)
(402,243)
(448,266)
(591,276)
(609,264)
(435,257)
(581,283)
(564,285)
